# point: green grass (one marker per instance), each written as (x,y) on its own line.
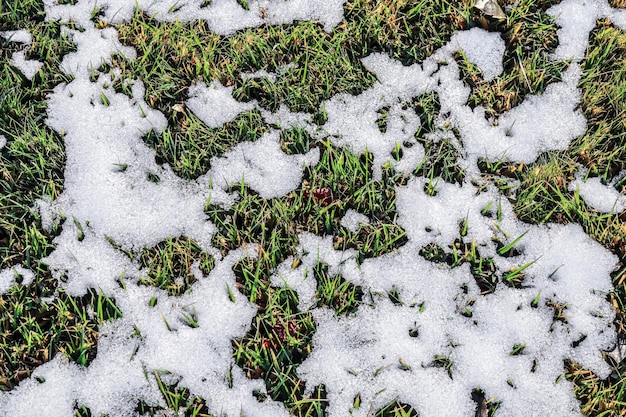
(340,181)
(169,265)
(312,66)
(175,398)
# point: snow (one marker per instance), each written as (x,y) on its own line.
(483,49)
(3,141)
(8,277)
(202,96)
(223,16)
(372,353)
(348,350)
(352,220)
(20,36)
(604,198)
(248,162)
(28,67)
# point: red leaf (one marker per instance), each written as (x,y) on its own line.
(323,196)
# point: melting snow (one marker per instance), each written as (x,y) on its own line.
(8,277)
(604,198)
(353,219)
(201,97)
(28,67)
(261,165)
(483,49)
(21,36)
(111,193)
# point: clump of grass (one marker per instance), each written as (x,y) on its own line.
(396,409)
(82,411)
(598,397)
(279,340)
(169,265)
(34,331)
(32,162)
(409,31)
(483,269)
(335,292)
(485,407)
(443,362)
(311,65)
(340,181)
(440,154)
(176,398)
(543,189)
(603,146)
(530,36)
(296,141)
(14,16)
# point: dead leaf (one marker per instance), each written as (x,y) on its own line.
(490,8)
(482,410)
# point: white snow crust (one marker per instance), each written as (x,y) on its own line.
(21,36)
(604,198)
(28,67)
(109,194)
(352,220)
(202,99)
(483,49)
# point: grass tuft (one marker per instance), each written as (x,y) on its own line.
(33,331)
(170,265)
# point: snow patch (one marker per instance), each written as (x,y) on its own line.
(604,198)
(352,220)
(483,49)
(262,165)
(28,67)
(8,277)
(214,104)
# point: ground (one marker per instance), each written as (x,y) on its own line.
(272,71)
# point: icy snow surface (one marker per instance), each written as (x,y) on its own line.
(604,198)
(21,36)
(353,219)
(28,67)
(374,353)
